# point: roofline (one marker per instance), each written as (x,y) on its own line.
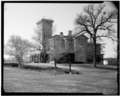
(80,35)
(44,20)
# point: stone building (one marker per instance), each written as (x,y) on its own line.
(44,27)
(70,44)
(57,45)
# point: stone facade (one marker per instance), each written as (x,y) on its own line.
(80,48)
(45,28)
(56,45)
(70,44)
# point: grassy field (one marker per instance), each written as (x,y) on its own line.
(88,81)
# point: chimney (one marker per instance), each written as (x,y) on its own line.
(61,34)
(70,33)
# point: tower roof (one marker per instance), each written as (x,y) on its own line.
(44,20)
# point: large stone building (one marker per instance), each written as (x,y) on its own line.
(55,46)
(70,44)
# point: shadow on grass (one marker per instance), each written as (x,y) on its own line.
(98,66)
(11,64)
(50,70)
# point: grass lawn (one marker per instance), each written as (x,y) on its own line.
(88,81)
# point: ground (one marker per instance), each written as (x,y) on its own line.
(89,80)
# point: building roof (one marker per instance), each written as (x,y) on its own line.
(80,34)
(72,36)
(57,36)
(46,20)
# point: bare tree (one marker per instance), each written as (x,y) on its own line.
(97,22)
(53,53)
(40,44)
(18,48)
(54,57)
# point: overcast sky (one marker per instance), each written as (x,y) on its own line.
(20,19)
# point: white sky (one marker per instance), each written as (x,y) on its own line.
(20,19)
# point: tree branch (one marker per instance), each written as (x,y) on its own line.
(90,11)
(99,10)
(106,19)
(105,36)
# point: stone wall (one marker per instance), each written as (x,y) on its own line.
(57,46)
(45,28)
(80,48)
(69,44)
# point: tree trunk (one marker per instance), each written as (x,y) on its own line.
(39,57)
(20,65)
(55,63)
(20,61)
(44,59)
(94,53)
(70,67)
(44,56)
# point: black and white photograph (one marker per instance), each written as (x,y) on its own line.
(64,47)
